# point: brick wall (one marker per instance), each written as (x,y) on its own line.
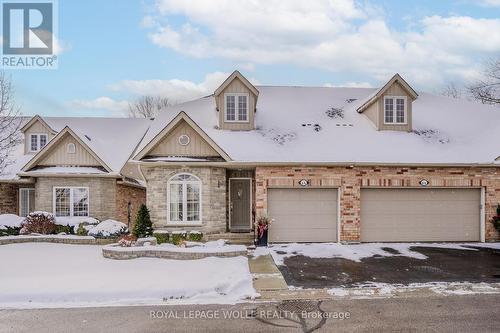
(350,180)
(9,198)
(213,196)
(125,194)
(102,194)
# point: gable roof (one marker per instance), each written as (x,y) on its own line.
(33,120)
(286,132)
(234,75)
(396,78)
(52,143)
(151,141)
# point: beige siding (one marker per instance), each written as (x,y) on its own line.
(399,215)
(36,128)
(395,90)
(58,154)
(169,146)
(372,113)
(303,215)
(236,86)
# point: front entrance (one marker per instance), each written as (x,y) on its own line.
(240,204)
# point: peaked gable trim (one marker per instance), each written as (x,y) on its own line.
(170,126)
(234,75)
(33,120)
(396,78)
(46,150)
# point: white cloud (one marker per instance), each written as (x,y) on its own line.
(490,3)
(101,103)
(340,36)
(175,89)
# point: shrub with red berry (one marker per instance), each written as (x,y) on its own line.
(40,223)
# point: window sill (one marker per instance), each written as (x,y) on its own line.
(197,224)
(237,121)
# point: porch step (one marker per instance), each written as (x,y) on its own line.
(232,238)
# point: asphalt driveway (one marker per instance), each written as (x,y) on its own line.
(442,265)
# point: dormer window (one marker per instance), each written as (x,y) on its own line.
(37,141)
(236,107)
(395,110)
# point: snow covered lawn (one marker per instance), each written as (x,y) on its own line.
(55,275)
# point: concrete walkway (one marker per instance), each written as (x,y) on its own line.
(267,278)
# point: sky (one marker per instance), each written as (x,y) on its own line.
(114,51)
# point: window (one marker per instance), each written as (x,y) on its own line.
(26,201)
(71,201)
(184,199)
(236,106)
(71,148)
(37,141)
(395,110)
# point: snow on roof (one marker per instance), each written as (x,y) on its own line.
(67,170)
(292,125)
(112,139)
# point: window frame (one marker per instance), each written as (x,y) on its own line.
(23,189)
(394,103)
(38,136)
(71,151)
(71,198)
(237,108)
(184,184)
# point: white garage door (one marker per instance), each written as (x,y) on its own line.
(400,215)
(303,215)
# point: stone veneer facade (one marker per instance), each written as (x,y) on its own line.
(350,180)
(213,197)
(102,194)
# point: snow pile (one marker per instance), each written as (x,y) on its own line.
(78,275)
(382,290)
(75,221)
(218,246)
(108,228)
(10,220)
(357,252)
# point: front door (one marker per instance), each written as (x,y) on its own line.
(240,196)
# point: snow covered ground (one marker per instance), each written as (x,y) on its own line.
(356,252)
(35,275)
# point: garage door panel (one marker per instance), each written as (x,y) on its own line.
(303,215)
(420,215)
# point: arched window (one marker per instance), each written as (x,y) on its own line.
(184,199)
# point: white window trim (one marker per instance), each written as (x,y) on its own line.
(71,208)
(236,107)
(71,151)
(23,189)
(38,135)
(184,221)
(394,115)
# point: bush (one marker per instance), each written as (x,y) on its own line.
(82,231)
(127,241)
(9,231)
(67,229)
(178,237)
(195,236)
(161,237)
(39,222)
(143,226)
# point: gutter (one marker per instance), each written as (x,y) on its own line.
(68,175)
(308,164)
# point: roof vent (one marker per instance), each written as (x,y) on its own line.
(88,137)
(350,100)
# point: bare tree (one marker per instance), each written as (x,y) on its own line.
(487,90)
(452,90)
(148,106)
(10,122)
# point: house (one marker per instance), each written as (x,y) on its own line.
(327,164)
(75,167)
